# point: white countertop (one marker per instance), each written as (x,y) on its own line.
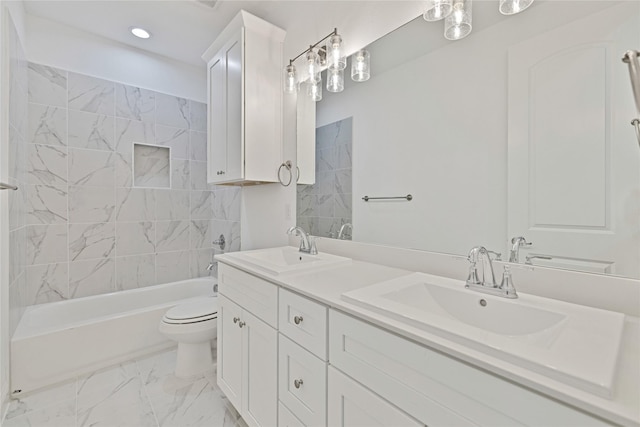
(326,286)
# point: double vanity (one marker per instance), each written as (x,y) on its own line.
(338,338)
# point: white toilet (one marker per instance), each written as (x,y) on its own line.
(193,325)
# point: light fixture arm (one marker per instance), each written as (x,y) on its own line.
(311,47)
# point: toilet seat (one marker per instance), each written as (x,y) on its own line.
(200,310)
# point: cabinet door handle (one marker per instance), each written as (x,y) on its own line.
(297,320)
(236,319)
(297,383)
(241,324)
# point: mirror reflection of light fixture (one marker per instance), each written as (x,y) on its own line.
(458,24)
(360,66)
(511,7)
(437,9)
(335,80)
(315,90)
(330,57)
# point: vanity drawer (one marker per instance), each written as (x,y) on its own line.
(304,321)
(286,418)
(303,383)
(253,294)
(434,388)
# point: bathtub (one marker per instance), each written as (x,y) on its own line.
(58,341)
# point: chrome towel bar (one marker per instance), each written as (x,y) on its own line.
(4,186)
(408,198)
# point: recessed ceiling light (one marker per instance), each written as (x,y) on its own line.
(140,32)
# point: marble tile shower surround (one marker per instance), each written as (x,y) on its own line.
(88,229)
(139,393)
(323,207)
(17,175)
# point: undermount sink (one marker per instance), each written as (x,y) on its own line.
(573,344)
(288,259)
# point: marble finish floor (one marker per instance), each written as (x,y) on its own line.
(139,393)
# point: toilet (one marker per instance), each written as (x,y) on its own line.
(193,325)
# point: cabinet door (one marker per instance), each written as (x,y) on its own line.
(233,52)
(352,405)
(260,380)
(226,118)
(217,123)
(229,351)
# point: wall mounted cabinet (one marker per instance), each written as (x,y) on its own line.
(244,67)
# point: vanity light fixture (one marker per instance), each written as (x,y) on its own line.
(331,57)
(336,60)
(437,10)
(511,7)
(140,32)
(290,79)
(458,24)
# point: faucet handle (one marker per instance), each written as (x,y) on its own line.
(313,250)
(472,278)
(508,290)
(498,255)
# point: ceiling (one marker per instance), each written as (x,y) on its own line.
(183,29)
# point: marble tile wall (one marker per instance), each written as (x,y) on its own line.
(89,228)
(18,298)
(323,207)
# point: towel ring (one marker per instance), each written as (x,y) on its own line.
(287,165)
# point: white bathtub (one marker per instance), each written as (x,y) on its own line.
(57,341)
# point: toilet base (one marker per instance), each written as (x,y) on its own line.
(193,359)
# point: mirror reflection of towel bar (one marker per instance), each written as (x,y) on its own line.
(408,198)
(4,186)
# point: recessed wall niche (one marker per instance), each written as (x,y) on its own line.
(151,166)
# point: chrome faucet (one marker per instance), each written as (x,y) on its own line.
(307,243)
(487,282)
(517,242)
(342,235)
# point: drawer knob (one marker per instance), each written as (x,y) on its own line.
(297,383)
(297,320)
(236,319)
(241,324)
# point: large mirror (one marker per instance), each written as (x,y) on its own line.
(522,129)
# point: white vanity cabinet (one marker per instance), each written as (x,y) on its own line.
(245,102)
(351,404)
(431,387)
(302,360)
(247,351)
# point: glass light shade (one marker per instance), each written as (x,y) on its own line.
(335,80)
(336,60)
(315,90)
(290,79)
(437,9)
(511,7)
(360,66)
(313,66)
(458,24)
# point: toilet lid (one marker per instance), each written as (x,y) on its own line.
(202,309)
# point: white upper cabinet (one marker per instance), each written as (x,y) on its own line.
(245,102)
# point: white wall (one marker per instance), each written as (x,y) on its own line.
(417,131)
(9,11)
(61,46)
